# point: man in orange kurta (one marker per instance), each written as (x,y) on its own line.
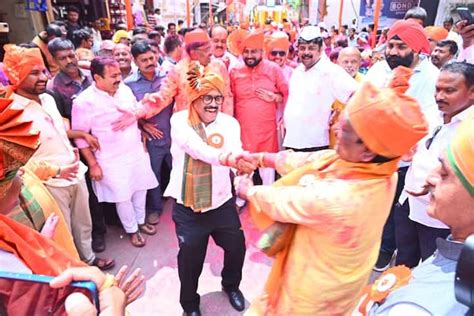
(258,86)
(198,47)
(335,204)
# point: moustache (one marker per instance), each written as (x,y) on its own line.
(426,189)
(116,83)
(212,107)
(307,56)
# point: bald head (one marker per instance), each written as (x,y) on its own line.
(349,59)
(219,40)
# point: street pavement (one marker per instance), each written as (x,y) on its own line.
(158,263)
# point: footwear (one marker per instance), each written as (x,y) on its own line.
(236,299)
(383,261)
(103,264)
(153,218)
(192,313)
(137,239)
(98,243)
(147,229)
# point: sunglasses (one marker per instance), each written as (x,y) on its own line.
(207,99)
(275,53)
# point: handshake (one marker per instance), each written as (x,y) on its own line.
(245,162)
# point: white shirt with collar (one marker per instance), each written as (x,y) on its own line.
(424,161)
(311,95)
(184,139)
(55,147)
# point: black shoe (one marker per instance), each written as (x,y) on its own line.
(236,299)
(383,262)
(98,243)
(192,313)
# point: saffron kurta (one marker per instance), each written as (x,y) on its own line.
(257,118)
(340,209)
(174,87)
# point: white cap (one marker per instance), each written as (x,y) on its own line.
(309,33)
(323,25)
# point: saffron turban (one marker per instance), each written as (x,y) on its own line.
(388,122)
(412,34)
(18,141)
(200,82)
(196,36)
(254,40)
(235,40)
(461,152)
(278,40)
(436,33)
(19,62)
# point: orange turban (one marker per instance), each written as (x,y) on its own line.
(235,40)
(254,40)
(196,36)
(19,62)
(17,142)
(412,34)
(278,40)
(461,153)
(388,122)
(436,33)
(200,83)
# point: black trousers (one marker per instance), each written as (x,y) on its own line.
(97,211)
(415,241)
(193,231)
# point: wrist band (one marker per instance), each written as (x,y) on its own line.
(108,282)
(225,160)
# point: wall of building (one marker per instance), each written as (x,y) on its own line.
(23,24)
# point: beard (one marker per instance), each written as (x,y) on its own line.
(395,61)
(252,62)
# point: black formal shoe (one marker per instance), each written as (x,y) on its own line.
(193,313)
(98,243)
(236,299)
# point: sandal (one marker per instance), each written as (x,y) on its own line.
(103,264)
(147,229)
(137,239)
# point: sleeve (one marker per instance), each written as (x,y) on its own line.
(166,94)
(325,202)
(467,54)
(189,141)
(281,83)
(288,160)
(42,169)
(228,106)
(81,121)
(343,85)
(403,308)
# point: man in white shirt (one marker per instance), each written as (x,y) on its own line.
(26,71)
(314,86)
(407,45)
(455,98)
(120,170)
(203,139)
(218,36)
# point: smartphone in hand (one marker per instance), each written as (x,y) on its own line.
(465,14)
(30,294)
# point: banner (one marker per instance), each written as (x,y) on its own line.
(391,10)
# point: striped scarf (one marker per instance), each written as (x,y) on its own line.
(197,174)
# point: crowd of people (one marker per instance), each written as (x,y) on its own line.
(350,151)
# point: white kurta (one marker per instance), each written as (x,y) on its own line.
(125,164)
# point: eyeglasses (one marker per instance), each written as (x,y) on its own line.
(275,53)
(207,99)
